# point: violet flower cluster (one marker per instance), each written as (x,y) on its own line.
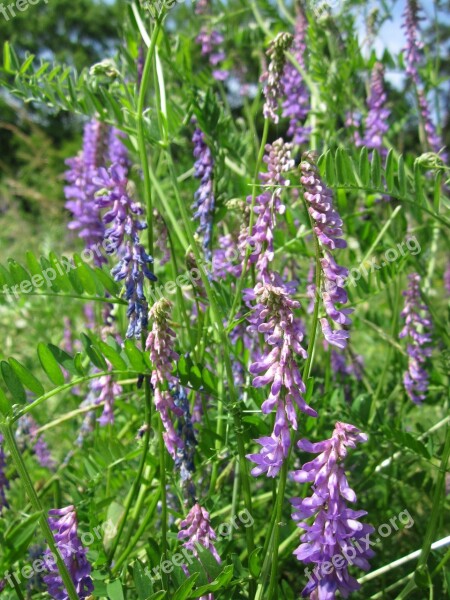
(184,460)
(413,56)
(4,482)
(204,197)
(123,236)
(106,390)
(273,316)
(63,523)
(327,226)
(297,104)
(27,436)
(196,529)
(268,204)
(376,125)
(211,42)
(273,77)
(417,330)
(160,343)
(80,193)
(336,529)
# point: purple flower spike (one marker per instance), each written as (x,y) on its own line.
(413,48)
(273,77)
(4,483)
(327,225)
(433,139)
(196,529)
(376,125)
(115,194)
(417,329)
(447,279)
(106,390)
(268,204)
(63,523)
(81,188)
(160,343)
(336,531)
(204,196)
(296,106)
(273,317)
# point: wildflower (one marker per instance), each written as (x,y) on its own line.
(204,196)
(268,204)
(124,214)
(80,193)
(327,226)
(296,106)
(63,523)
(418,331)
(196,529)
(211,42)
(273,316)
(414,45)
(106,390)
(184,460)
(160,343)
(27,436)
(447,278)
(4,483)
(336,529)
(376,125)
(273,77)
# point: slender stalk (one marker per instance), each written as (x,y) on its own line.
(162,474)
(240,285)
(137,481)
(22,471)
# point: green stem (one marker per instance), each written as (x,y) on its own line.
(240,285)
(137,481)
(284,469)
(141,130)
(19,463)
(162,468)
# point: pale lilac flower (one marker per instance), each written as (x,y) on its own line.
(297,104)
(447,278)
(106,390)
(273,316)
(417,330)
(160,343)
(268,205)
(414,46)
(336,530)
(327,226)
(196,529)
(63,523)
(273,77)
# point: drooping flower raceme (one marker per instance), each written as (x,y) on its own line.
(273,316)
(196,529)
(336,531)
(4,483)
(204,197)
(376,125)
(417,330)
(268,204)
(296,106)
(81,188)
(184,460)
(413,48)
(160,343)
(413,56)
(63,523)
(273,77)
(106,390)
(327,225)
(123,237)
